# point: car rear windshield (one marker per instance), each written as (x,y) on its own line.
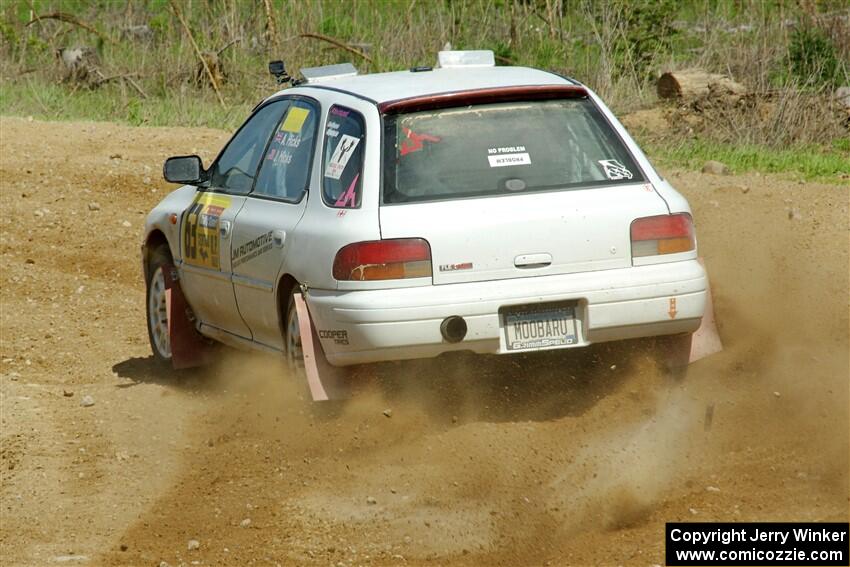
(499,149)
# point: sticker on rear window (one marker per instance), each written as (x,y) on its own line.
(342,153)
(414,141)
(349,198)
(511,155)
(614,169)
(333,129)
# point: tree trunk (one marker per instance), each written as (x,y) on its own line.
(695,83)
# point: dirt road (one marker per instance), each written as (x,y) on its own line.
(564,460)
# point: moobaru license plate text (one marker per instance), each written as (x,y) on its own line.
(540,328)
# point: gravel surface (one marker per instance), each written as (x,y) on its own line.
(575,458)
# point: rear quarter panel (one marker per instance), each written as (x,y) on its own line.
(323,230)
(676,203)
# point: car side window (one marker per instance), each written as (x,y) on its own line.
(285,170)
(236,167)
(342,169)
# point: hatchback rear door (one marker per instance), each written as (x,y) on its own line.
(525,235)
(513,189)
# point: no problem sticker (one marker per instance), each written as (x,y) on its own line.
(506,156)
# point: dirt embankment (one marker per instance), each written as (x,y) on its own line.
(570,459)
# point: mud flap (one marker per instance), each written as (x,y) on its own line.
(188,347)
(706,339)
(326,382)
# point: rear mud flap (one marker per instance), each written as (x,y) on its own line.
(188,347)
(706,339)
(326,382)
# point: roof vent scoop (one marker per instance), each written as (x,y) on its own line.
(328,72)
(463,59)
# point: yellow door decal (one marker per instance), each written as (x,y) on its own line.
(295,119)
(200,230)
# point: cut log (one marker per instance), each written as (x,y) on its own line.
(694,83)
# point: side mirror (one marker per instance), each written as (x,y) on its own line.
(188,170)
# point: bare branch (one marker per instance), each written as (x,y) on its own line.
(337,43)
(71,19)
(227,45)
(203,60)
(271,26)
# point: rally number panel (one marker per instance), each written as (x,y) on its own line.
(200,230)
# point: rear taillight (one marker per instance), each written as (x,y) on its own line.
(383,260)
(664,234)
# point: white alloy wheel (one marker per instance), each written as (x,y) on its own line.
(158,314)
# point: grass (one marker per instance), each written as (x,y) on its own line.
(813,163)
(617,47)
(57,102)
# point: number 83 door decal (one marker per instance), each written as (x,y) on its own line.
(201,239)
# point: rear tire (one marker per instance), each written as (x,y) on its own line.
(157,307)
(673,354)
(292,339)
(295,361)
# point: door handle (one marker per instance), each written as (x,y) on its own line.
(279,237)
(533,260)
(224,228)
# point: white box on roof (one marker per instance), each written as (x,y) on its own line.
(454,59)
(328,72)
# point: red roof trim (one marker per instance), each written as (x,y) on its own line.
(481,96)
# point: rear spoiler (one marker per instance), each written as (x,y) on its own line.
(481,96)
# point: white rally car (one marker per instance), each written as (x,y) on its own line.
(408,214)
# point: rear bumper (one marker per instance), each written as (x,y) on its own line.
(394,324)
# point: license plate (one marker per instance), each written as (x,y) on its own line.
(539,327)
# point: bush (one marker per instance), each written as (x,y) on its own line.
(648,33)
(812,58)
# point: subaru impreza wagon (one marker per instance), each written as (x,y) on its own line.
(463,207)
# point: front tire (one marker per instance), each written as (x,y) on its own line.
(157,306)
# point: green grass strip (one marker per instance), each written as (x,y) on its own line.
(829,164)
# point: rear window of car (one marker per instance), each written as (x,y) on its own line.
(501,149)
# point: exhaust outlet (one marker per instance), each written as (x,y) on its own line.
(453,329)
